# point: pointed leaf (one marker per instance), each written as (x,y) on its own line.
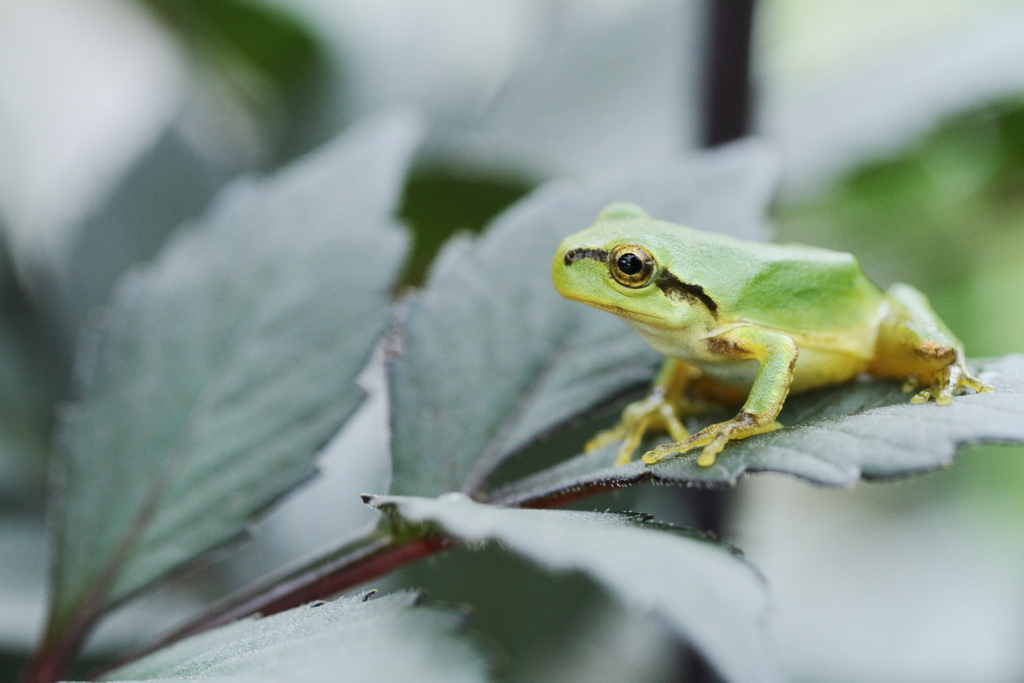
(834,437)
(708,595)
(221,369)
(493,356)
(383,639)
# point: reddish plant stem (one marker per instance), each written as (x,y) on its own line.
(53,657)
(370,555)
(331,583)
(363,559)
(556,499)
(367,557)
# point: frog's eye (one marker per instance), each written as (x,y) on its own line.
(631,265)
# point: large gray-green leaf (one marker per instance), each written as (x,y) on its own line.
(493,356)
(385,639)
(833,437)
(221,369)
(715,600)
(30,385)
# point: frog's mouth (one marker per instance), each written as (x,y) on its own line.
(632,315)
(618,310)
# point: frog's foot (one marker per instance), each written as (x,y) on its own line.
(714,437)
(653,412)
(952,380)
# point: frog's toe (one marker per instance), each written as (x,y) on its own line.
(654,412)
(604,438)
(661,452)
(922,396)
(623,458)
(627,436)
(960,380)
(976,384)
(671,422)
(671,449)
(952,381)
(712,438)
(732,431)
(945,385)
(710,453)
(625,455)
(937,392)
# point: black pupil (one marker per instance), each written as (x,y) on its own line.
(630,264)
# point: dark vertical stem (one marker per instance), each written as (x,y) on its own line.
(726,115)
(725,110)
(726,96)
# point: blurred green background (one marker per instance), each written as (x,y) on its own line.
(945,213)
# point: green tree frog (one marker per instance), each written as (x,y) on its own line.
(740,319)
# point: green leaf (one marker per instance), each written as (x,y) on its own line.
(702,590)
(264,37)
(493,357)
(30,385)
(384,639)
(833,437)
(221,369)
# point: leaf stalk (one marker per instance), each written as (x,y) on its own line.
(372,553)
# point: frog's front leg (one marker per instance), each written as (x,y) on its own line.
(661,409)
(777,354)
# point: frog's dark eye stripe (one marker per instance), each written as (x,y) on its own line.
(677,290)
(631,265)
(574,255)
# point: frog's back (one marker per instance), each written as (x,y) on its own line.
(788,287)
(817,295)
(806,289)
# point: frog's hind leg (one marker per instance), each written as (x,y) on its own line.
(948,382)
(777,354)
(916,346)
(662,409)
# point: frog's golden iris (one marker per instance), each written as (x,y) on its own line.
(631,265)
(748,319)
